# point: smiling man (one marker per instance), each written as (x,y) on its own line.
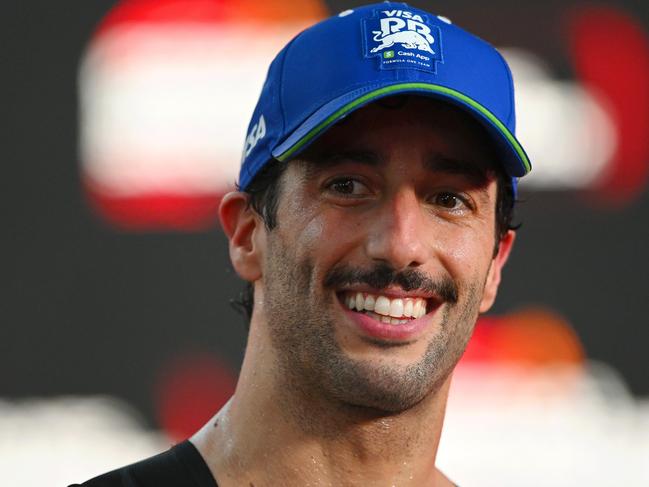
(372,223)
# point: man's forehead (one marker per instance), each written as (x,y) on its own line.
(449,140)
(419,109)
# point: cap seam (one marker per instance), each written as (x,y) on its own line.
(281,88)
(512,99)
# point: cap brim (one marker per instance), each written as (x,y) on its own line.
(514,158)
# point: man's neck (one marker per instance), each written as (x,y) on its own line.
(273,434)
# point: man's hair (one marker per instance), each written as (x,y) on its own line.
(265,191)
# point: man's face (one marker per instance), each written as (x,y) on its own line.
(383,254)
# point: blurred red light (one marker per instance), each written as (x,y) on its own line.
(157,11)
(610,52)
(174,11)
(534,337)
(156,212)
(190,391)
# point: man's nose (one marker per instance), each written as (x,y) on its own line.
(396,232)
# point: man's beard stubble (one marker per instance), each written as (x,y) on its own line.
(302,331)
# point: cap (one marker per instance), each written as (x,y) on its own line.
(366,53)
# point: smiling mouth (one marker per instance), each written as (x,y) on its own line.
(394,311)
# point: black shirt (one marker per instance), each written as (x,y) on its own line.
(181,466)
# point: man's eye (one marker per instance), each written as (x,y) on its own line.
(348,186)
(449,200)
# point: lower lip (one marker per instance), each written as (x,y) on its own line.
(402,333)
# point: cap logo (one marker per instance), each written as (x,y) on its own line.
(402,39)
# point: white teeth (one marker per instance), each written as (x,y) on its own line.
(396,308)
(416,309)
(386,319)
(408,307)
(359,301)
(382,305)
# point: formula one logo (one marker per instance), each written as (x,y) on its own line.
(402,39)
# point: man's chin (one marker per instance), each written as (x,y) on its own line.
(382,386)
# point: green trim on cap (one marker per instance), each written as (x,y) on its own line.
(403,87)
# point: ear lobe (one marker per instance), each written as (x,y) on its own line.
(241,225)
(495,270)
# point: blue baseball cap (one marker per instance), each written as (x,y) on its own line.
(363,54)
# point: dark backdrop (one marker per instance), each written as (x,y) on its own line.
(87,309)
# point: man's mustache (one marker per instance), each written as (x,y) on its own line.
(384,275)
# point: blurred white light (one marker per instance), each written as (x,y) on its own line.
(508,426)
(166,107)
(563,126)
(504,426)
(70,440)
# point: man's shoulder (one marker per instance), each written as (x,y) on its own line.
(181,465)
(110,479)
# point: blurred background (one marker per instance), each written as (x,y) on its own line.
(123,124)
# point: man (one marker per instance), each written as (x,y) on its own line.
(372,222)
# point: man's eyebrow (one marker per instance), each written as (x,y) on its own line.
(335,157)
(320,161)
(475,172)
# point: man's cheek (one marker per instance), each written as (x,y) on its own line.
(326,236)
(469,251)
(312,234)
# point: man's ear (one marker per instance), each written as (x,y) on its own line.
(497,264)
(244,230)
